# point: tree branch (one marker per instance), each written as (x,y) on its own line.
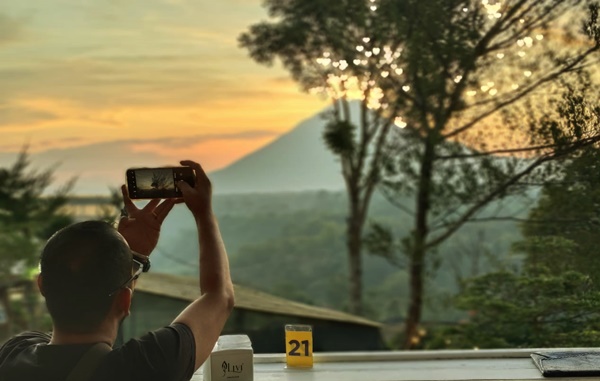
(502,188)
(521,94)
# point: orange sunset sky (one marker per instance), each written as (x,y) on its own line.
(164,77)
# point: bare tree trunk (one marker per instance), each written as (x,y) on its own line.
(360,168)
(354,244)
(413,317)
(354,227)
(418,249)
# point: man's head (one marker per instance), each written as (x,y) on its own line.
(81,267)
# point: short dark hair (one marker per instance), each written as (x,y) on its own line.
(80,266)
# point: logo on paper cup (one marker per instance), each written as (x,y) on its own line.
(229,368)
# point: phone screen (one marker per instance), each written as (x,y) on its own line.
(157,182)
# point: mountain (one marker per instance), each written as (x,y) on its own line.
(296,161)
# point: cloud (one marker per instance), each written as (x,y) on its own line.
(125,52)
(11,29)
(23,116)
(213,152)
(68,146)
(201,138)
(202,36)
(129,81)
(95,84)
(100,165)
(100,70)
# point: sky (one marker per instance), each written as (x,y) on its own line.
(162,79)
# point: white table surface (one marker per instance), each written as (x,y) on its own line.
(404,366)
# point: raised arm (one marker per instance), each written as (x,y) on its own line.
(207,315)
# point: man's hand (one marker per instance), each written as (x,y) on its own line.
(198,198)
(141,227)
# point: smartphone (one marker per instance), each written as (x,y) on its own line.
(157,182)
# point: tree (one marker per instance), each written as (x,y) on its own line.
(28,211)
(29,214)
(472,83)
(554,301)
(159,181)
(534,309)
(302,264)
(561,232)
(316,41)
(110,211)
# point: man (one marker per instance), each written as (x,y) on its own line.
(88,272)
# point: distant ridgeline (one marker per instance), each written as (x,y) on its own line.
(88,207)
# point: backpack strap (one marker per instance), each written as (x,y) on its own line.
(88,363)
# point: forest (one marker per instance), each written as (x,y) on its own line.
(292,245)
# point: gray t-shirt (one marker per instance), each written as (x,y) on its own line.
(166,354)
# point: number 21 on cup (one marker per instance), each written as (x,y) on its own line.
(298,346)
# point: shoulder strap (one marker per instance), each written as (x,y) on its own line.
(88,363)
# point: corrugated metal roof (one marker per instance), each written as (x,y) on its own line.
(186,288)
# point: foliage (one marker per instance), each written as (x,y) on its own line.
(562,230)
(472,144)
(340,137)
(380,242)
(476,86)
(28,214)
(534,309)
(292,245)
(111,210)
(18,253)
(159,181)
(554,302)
(316,41)
(304,254)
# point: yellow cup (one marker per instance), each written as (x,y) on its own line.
(298,346)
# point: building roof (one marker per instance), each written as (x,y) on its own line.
(186,288)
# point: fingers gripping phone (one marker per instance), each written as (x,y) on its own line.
(157,182)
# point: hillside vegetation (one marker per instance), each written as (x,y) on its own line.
(292,245)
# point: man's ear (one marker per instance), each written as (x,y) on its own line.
(123,301)
(40,284)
